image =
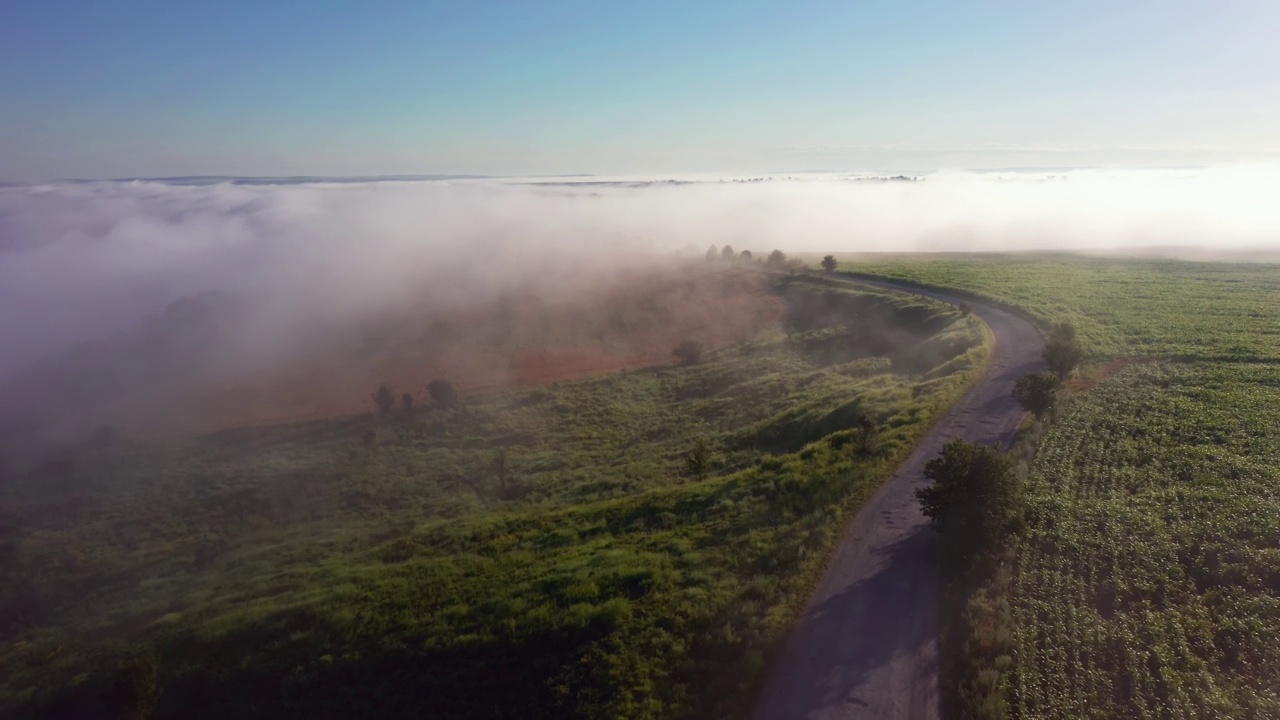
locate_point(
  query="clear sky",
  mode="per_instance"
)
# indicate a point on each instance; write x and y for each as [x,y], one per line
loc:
[255,87]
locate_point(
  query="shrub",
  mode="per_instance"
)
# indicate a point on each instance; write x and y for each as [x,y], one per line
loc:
[384,399]
[406,401]
[829,263]
[1062,350]
[698,462]
[777,260]
[1062,355]
[727,253]
[689,352]
[866,437]
[712,253]
[442,392]
[1036,392]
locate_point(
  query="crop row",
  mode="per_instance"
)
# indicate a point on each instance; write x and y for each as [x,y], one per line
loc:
[1148,583]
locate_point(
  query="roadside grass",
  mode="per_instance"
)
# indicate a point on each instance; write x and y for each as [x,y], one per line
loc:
[296,569]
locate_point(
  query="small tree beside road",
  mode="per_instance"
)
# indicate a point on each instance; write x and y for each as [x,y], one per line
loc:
[1036,392]
[1062,351]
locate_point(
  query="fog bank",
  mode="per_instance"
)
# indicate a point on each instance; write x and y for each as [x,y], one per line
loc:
[80,261]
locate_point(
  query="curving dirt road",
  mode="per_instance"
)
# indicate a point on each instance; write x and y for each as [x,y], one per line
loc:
[867,645]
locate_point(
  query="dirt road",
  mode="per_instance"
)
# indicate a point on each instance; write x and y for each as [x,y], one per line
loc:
[867,646]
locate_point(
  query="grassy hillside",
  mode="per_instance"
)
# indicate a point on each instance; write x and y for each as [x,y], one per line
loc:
[1146,582]
[545,553]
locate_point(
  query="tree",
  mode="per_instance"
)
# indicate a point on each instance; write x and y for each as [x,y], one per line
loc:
[712,253]
[973,500]
[745,256]
[1036,392]
[384,400]
[777,260]
[829,263]
[698,462]
[1061,355]
[727,254]
[406,402]
[369,438]
[689,352]
[442,392]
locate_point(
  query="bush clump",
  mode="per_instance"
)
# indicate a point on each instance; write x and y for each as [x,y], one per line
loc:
[1036,392]
[689,352]
[384,400]
[442,392]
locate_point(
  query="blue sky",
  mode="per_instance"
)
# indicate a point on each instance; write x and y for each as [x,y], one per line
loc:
[126,88]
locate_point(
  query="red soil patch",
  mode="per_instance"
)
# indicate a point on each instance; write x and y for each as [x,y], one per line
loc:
[1086,382]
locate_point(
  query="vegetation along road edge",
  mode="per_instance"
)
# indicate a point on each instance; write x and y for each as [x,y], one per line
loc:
[867,644]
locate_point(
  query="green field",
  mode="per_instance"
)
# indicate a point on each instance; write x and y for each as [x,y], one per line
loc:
[1146,584]
[1149,581]
[546,553]
[1121,307]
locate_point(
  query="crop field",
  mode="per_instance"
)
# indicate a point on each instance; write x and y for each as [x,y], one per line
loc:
[1120,307]
[551,552]
[1149,581]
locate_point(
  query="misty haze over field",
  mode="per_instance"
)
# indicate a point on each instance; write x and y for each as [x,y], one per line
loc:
[82,260]
[621,361]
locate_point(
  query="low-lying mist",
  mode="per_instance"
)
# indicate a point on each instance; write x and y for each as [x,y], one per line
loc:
[85,260]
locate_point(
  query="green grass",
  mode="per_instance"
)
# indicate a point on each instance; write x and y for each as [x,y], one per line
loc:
[292,570]
[1121,307]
